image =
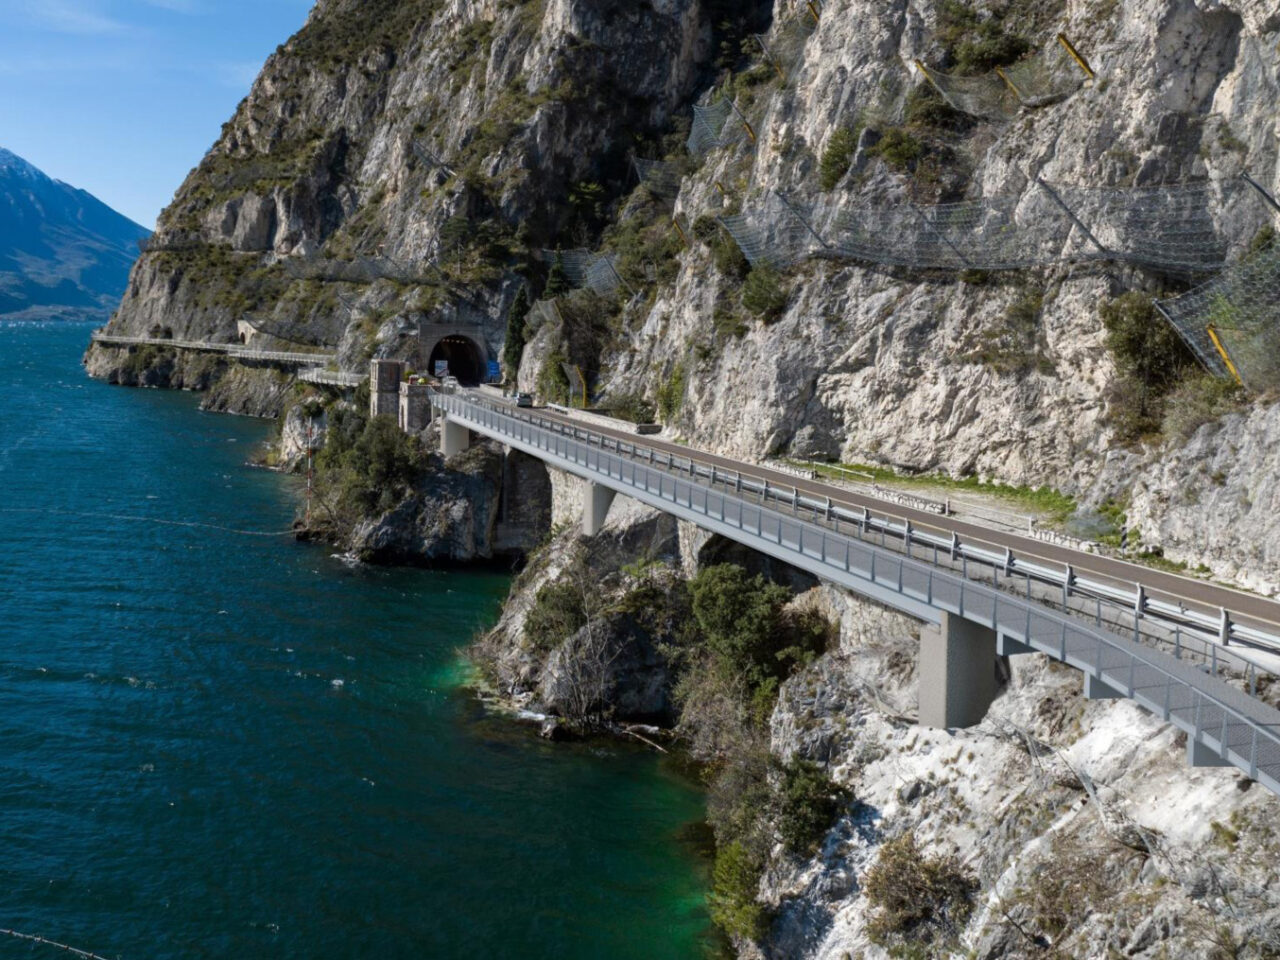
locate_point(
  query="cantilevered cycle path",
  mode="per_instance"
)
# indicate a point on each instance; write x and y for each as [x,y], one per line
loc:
[982,599]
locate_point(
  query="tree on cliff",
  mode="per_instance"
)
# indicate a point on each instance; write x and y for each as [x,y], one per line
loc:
[516,332]
[557,280]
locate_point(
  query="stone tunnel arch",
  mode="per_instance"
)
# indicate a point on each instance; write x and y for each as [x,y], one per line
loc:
[468,360]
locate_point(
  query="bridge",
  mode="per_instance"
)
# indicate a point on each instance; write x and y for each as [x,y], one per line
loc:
[1180,648]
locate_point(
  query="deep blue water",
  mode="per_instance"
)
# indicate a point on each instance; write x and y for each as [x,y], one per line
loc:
[214,744]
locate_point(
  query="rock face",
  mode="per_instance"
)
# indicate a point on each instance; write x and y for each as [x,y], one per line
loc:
[390,158]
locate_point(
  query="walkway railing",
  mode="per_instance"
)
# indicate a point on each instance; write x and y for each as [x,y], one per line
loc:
[1232,725]
[237,350]
[331,378]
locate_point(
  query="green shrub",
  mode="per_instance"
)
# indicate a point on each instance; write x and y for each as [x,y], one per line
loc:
[727,256]
[836,158]
[917,900]
[807,804]
[671,394]
[732,902]
[728,323]
[1197,401]
[975,45]
[898,148]
[763,293]
[367,465]
[1150,359]
[558,612]
[927,110]
[629,406]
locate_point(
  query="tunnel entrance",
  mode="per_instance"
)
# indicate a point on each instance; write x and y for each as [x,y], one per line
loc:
[465,359]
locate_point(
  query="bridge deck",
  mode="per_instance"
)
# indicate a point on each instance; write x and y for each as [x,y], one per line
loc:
[1225,721]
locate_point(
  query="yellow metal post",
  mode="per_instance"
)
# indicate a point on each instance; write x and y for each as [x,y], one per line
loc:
[1008,83]
[813,10]
[1080,61]
[723,192]
[1222,351]
[924,72]
[675,222]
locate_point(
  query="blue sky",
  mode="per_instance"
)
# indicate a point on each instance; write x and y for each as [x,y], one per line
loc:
[123,97]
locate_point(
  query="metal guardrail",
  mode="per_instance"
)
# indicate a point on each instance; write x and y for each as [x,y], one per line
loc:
[1183,627]
[1241,730]
[331,378]
[237,350]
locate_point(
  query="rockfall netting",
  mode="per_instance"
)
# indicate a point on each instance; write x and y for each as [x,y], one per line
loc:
[584,269]
[1232,323]
[1043,77]
[784,47]
[661,179]
[717,125]
[1182,227]
[361,270]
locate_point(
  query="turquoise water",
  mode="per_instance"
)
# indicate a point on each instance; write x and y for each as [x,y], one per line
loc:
[214,744]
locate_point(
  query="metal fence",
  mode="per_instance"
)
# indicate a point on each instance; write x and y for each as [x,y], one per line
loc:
[1232,323]
[586,270]
[720,124]
[661,179]
[1238,728]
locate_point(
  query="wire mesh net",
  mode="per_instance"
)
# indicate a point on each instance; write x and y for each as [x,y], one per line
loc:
[361,270]
[1240,310]
[661,179]
[784,47]
[1045,77]
[544,312]
[602,275]
[1188,227]
[985,96]
[775,232]
[716,125]
[430,158]
[574,263]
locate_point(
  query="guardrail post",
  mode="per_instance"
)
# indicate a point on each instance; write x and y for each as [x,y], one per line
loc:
[1224,628]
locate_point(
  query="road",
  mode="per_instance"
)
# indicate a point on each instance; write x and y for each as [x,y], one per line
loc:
[1246,608]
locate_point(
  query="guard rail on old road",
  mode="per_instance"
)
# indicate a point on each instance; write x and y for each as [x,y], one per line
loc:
[237,350]
[1223,724]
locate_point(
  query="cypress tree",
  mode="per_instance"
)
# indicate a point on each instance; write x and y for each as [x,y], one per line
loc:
[516,333]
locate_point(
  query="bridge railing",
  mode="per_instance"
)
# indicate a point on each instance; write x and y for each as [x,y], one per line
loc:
[1239,729]
[1200,635]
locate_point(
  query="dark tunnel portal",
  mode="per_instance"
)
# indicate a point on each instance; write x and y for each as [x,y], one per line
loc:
[466,360]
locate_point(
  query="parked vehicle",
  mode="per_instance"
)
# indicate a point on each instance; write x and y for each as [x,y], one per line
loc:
[524,399]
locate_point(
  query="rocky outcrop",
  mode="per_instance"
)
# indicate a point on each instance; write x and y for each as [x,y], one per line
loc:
[1216,501]
[454,515]
[1086,831]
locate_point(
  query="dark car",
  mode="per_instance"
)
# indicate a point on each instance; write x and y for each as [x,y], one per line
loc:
[524,399]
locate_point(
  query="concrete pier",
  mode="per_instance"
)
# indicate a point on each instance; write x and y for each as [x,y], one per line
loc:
[957,670]
[595,508]
[415,407]
[454,437]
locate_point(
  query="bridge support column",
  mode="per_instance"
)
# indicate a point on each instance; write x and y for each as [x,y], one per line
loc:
[595,508]
[454,437]
[957,673]
[1095,689]
[1198,755]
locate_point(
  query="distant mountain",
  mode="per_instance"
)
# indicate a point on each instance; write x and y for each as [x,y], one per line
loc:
[64,254]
